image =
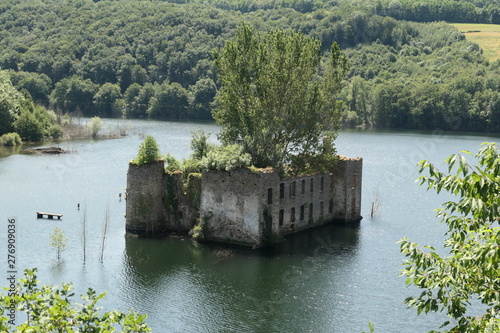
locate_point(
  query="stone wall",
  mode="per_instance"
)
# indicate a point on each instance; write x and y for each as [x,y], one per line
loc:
[157,201]
[242,207]
[300,203]
[144,205]
[347,186]
[252,208]
[307,201]
[231,206]
[353,176]
[180,206]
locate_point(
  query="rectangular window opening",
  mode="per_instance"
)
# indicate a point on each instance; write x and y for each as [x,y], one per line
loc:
[269,196]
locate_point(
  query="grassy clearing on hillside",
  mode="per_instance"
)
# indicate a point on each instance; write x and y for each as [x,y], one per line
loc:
[487,36]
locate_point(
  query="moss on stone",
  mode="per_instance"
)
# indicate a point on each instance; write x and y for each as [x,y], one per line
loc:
[193,189]
[141,208]
[171,200]
[267,227]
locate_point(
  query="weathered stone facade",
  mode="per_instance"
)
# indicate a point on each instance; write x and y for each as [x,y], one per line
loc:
[244,207]
[158,202]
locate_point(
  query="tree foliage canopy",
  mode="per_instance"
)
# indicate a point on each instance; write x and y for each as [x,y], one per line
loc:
[52,309]
[272,97]
[19,114]
[149,151]
[58,242]
[471,270]
[9,103]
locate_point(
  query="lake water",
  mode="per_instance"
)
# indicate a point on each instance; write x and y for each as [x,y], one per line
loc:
[331,279]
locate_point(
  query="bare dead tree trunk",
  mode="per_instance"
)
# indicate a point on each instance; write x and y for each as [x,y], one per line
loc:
[375,203]
[84,235]
[104,233]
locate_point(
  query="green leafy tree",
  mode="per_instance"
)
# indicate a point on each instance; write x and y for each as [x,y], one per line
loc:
[470,268]
[358,99]
[74,94]
[149,151]
[139,74]
[38,85]
[203,93]
[55,132]
[137,100]
[9,103]
[105,99]
[28,125]
[199,144]
[272,97]
[169,101]
[58,242]
[130,108]
[171,163]
[52,309]
[10,139]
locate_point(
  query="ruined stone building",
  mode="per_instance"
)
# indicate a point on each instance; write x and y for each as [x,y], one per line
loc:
[243,207]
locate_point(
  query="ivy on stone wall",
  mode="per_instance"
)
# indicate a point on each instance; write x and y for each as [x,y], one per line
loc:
[171,201]
[193,189]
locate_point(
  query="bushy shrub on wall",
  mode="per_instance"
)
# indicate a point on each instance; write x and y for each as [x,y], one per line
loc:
[230,157]
[148,153]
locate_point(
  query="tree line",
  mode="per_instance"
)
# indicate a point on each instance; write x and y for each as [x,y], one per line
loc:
[457,11]
[154,59]
[21,118]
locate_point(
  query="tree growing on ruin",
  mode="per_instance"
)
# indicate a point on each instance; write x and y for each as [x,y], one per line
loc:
[148,151]
[469,269]
[277,96]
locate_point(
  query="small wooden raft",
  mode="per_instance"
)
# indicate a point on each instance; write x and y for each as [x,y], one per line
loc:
[50,216]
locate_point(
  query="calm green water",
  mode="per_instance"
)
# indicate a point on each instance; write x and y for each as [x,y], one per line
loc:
[331,279]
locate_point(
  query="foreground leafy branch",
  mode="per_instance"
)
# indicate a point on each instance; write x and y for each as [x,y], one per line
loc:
[470,270]
[51,309]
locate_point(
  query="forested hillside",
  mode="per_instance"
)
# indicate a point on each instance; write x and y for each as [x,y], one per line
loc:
[155,59]
[467,11]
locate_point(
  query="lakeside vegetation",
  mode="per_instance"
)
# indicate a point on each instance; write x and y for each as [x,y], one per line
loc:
[154,59]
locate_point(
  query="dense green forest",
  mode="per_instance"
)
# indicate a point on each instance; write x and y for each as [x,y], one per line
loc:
[457,11]
[154,59]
